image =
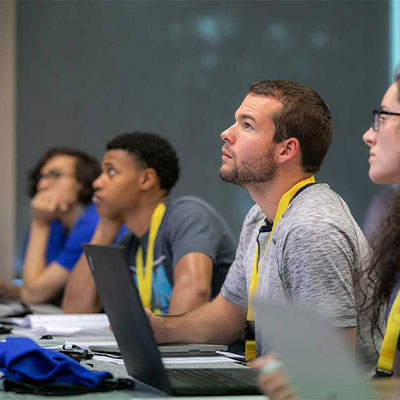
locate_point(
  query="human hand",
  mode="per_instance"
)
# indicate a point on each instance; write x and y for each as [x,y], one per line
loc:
[155,323]
[273,380]
[48,205]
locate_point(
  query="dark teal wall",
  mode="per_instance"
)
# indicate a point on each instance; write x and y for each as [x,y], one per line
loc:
[90,70]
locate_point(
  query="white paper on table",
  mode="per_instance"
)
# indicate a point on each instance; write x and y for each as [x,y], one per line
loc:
[67,324]
[110,360]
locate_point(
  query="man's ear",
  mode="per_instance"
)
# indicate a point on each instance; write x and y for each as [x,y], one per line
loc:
[288,149]
[148,179]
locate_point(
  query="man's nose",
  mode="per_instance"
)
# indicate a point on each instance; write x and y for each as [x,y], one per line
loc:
[97,183]
[227,135]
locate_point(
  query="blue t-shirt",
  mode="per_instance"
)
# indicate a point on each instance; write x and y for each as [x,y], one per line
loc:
[65,248]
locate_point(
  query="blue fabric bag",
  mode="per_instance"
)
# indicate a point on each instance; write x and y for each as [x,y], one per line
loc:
[21,359]
[28,368]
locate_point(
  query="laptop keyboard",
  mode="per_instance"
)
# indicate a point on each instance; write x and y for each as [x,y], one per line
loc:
[213,381]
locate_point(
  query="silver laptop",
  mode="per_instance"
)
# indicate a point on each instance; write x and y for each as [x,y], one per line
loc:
[317,358]
[121,301]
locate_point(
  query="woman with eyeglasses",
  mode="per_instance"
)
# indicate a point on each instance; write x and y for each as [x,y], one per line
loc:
[62,218]
[383,139]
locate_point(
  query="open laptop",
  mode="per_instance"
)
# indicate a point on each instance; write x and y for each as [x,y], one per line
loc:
[121,301]
[318,360]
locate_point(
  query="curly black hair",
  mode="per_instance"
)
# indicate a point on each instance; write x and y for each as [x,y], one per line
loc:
[87,169]
[152,151]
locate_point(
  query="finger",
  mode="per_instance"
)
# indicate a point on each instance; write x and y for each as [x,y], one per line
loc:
[261,361]
[280,391]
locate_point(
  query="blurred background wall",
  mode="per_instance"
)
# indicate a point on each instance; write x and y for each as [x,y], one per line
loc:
[87,71]
[7,138]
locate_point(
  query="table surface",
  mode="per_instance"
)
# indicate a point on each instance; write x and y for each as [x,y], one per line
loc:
[383,389]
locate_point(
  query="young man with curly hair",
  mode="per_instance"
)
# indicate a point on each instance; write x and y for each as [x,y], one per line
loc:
[180,250]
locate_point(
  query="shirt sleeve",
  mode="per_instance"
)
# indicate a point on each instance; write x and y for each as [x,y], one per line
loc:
[192,228]
[82,232]
[235,287]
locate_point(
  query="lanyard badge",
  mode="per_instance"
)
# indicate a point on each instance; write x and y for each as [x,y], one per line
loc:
[389,344]
[144,278]
[250,346]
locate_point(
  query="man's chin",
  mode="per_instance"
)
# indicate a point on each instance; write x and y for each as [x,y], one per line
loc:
[228,176]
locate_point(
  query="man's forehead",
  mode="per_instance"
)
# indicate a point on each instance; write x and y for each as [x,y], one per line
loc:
[257,105]
[118,156]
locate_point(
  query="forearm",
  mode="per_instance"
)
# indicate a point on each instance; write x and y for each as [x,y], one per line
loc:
[188,297]
[35,257]
[80,295]
[216,322]
[192,283]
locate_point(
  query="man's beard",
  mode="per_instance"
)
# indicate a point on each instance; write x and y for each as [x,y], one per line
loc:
[252,171]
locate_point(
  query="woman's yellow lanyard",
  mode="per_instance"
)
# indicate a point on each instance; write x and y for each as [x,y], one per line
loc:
[389,344]
[250,346]
[144,278]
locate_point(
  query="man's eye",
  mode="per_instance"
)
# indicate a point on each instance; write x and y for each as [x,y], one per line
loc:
[110,171]
[247,125]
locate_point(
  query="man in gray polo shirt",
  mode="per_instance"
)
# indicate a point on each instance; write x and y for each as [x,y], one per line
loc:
[299,243]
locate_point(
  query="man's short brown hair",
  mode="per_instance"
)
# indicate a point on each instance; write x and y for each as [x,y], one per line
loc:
[304,116]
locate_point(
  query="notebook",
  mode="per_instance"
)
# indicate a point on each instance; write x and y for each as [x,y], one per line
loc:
[121,301]
[317,358]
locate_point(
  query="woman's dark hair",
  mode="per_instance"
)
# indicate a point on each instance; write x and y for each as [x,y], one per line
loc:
[152,151]
[384,270]
[87,169]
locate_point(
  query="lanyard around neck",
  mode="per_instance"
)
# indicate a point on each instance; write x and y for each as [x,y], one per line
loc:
[283,205]
[389,344]
[144,278]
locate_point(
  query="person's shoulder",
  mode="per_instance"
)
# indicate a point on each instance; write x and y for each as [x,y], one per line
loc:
[90,212]
[318,199]
[319,206]
[188,200]
[88,217]
[191,204]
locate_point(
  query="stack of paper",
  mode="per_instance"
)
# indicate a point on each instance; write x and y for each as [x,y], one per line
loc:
[65,324]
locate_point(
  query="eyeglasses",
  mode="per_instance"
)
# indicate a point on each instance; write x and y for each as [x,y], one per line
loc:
[375,118]
[53,175]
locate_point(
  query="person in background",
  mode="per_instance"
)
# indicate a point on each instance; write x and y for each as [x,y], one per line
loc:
[63,217]
[383,139]
[180,249]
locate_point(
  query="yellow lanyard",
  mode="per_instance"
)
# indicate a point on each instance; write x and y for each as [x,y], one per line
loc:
[255,272]
[389,344]
[144,278]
